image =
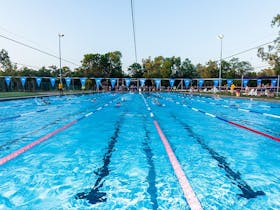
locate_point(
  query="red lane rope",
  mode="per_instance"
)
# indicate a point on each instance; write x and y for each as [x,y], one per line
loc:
[34,143]
[185,185]
[255,131]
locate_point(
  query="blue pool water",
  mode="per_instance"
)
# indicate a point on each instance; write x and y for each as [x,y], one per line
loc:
[114,158]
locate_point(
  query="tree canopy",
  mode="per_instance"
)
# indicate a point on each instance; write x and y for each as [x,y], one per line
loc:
[101,65]
[272,54]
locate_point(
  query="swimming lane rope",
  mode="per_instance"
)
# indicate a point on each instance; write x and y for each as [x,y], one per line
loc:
[240,109]
[227,121]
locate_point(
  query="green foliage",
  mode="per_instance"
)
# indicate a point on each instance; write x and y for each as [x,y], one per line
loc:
[161,67]
[230,69]
[235,68]
[6,66]
[187,70]
[136,70]
[267,73]
[272,54]
[209,71]
[101,65]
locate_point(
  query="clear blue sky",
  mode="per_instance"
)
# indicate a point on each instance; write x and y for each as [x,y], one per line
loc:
[182,28]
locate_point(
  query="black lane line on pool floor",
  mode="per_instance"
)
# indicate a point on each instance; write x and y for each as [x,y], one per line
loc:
[247,191]
[151,178]
[6,145]
[94,195]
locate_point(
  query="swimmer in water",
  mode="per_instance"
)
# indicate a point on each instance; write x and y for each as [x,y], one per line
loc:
[44,101]
[118,104]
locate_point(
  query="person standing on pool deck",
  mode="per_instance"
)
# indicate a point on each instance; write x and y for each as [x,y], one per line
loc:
[232,87]
[60,88]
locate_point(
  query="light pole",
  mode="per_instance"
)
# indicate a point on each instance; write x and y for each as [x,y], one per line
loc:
[221,36]
[60,75]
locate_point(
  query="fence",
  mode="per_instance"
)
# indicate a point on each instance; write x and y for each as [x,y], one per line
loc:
[37,84]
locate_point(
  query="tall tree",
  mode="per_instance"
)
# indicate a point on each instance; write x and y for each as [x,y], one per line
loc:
[208,71]
[102,65]
[54,71]
[6,64]
[66,71]
[26,72]
[267,73]
[114,64]
[187,69]
[43,72]
[272,54]
[161,67]
[136,70]
[236,68]
[91,65]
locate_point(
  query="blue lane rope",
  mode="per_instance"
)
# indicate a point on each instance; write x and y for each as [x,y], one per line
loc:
[241,109]
[21,115]
[230,122]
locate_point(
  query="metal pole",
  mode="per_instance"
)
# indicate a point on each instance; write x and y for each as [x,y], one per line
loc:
[241,89]
[60,74]
[221,36]
[133,26]
[277,92]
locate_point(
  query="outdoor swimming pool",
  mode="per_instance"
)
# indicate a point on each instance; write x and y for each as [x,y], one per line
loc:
[84,152]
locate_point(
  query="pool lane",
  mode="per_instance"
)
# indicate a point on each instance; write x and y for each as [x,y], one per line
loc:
[236,102]
[225,181]
[94,195]
[151,177]
[238,108]
[189,194]
[6,145]
[13,155]
[275,138]
[45,108]
[235,177]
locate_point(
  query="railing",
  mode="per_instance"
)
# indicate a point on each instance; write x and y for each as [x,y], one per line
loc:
[261,86]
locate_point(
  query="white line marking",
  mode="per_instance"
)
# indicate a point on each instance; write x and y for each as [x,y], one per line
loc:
[28,113]
[244,110]
[211,115]
[271,115]
[88,114]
